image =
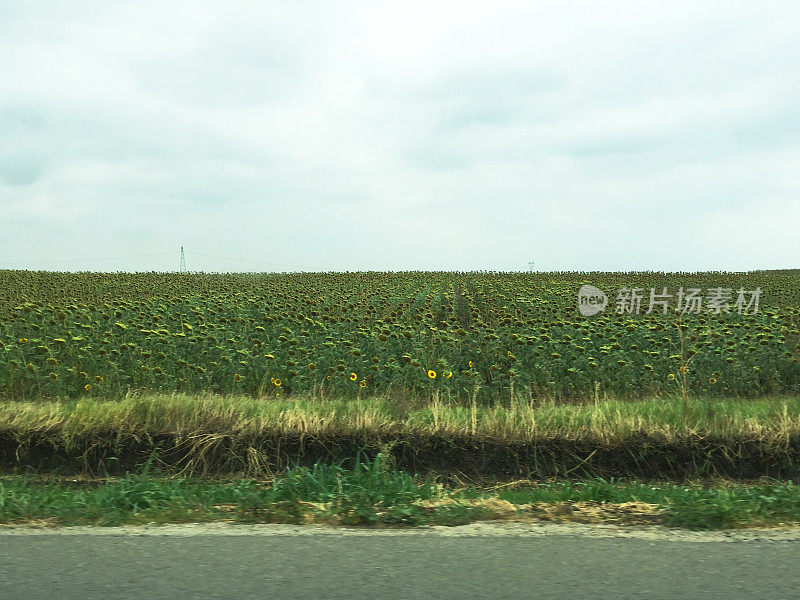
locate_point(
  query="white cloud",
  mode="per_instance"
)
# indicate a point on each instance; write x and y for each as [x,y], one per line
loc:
[418,135]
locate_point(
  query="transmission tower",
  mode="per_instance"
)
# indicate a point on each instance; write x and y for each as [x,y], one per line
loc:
[182,268]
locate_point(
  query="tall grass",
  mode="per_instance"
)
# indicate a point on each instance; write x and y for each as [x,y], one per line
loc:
[769,421]
[372,493]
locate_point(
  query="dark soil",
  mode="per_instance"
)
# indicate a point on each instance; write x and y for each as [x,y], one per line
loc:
[639,456]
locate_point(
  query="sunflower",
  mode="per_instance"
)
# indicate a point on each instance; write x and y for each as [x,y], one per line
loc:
[98,379]
[684,369]
[353,376]
[312,366]
[431,373]
[87,387]
[277,383]
[448,374]
[712,380]
[362,384]
[470,364]
[237,377]
[671,377]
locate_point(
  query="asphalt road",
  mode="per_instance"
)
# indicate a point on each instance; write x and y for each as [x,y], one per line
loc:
[388,566]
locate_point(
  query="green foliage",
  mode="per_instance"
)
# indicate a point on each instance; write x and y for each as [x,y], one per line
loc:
[460,335]
[684,505]
[370,494]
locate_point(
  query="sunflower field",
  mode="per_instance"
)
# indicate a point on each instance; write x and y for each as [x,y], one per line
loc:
[474,335]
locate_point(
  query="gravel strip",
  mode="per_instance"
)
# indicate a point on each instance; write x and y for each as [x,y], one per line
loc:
[480,529]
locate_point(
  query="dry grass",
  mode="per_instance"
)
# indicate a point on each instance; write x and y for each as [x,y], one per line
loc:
[208,434]
[770,421]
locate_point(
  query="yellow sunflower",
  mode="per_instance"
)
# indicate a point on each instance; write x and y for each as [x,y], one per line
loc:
[431,373]
[353,376]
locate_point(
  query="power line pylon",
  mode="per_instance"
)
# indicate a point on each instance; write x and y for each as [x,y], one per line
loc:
[182,268]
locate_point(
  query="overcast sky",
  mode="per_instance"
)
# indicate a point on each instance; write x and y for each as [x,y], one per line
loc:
[400,135]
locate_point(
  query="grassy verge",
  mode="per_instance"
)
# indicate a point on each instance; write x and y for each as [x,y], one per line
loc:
[690,505]
[769,420]
[372,493]
[211,434]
